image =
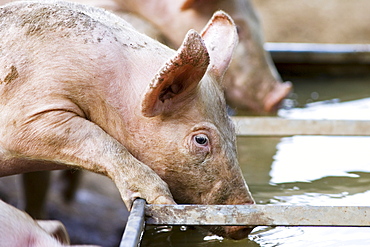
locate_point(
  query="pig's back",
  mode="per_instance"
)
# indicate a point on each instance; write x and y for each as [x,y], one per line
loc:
[54,16]
[56,23]
[77,43]
[52,44]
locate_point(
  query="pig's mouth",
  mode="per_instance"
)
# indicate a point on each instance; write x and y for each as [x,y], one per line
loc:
[241,198]
[231,232]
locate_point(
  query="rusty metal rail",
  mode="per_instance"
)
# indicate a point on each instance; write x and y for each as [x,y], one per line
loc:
[258,215]
[276,126]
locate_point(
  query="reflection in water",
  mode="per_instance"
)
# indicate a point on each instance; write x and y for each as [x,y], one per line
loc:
[190,237]
[315,237]
[312,170]
[307,158]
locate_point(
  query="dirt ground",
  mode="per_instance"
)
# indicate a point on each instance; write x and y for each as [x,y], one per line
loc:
[315,21]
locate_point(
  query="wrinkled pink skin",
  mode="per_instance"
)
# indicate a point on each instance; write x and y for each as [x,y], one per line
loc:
[115,102]
[19,230]
[252,82]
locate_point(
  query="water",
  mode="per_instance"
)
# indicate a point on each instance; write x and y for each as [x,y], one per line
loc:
[277,176]
[304,170]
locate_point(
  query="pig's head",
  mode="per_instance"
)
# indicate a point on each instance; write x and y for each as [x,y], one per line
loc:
[192,141]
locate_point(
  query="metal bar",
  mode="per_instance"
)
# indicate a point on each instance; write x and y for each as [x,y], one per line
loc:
[275,126]
[135,225]
[258,215]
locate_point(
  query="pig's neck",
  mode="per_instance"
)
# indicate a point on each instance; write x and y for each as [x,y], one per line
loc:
[122,73]
[123,97]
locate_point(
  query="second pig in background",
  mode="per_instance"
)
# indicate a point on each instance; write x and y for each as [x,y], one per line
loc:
[252,82]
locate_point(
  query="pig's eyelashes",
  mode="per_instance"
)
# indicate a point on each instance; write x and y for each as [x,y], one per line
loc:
[238,29]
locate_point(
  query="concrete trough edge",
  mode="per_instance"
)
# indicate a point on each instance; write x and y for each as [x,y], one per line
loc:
[319,53]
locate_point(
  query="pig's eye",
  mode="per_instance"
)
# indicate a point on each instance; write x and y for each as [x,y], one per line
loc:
[201,139]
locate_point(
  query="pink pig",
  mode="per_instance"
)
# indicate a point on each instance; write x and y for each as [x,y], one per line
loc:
[252,81]
[81,88]
[19,230]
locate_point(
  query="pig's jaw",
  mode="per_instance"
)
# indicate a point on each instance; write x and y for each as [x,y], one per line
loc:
[230,232]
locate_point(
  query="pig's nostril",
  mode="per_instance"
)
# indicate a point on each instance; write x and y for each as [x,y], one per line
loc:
[238,232]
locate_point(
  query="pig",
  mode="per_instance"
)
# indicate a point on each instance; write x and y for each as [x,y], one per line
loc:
[19,229]
[81,88]
[35,196]
[252,82]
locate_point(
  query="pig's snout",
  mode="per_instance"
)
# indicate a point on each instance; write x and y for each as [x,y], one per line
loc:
[237,232]
[232,232]
[274,98]
[230,195]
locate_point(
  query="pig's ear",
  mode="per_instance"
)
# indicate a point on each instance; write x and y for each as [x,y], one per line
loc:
[177,79]
[221,37]
[194,4]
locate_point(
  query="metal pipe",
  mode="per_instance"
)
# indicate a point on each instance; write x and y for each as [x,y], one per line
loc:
[135,225]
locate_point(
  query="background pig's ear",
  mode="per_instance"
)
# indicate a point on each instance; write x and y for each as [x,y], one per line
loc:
[220,36]
[187,4]
[176,80]
[194,4]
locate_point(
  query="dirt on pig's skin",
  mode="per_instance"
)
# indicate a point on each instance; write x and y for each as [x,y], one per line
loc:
[96,216]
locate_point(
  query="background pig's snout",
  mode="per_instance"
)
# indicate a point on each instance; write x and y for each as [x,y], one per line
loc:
[274,98]
[238,232]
